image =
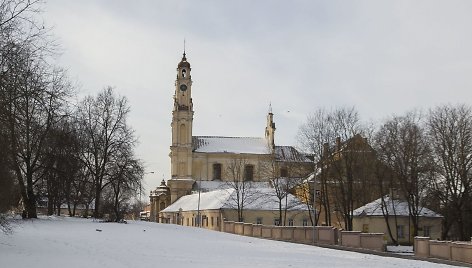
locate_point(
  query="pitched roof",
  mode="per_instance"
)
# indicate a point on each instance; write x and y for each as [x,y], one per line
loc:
[216,144]
[290,154]
[264,199]
[394,207]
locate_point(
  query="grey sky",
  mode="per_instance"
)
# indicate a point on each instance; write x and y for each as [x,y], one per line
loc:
[384,57]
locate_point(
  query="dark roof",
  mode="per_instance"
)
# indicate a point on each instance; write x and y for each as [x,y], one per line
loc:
[290,154]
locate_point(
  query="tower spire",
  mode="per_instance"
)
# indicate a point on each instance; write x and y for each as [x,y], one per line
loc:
[184,47]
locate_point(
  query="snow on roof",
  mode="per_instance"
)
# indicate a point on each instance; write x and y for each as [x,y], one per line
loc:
[213,144]
[206,186]
[263,199]
[394,206]
[290,154]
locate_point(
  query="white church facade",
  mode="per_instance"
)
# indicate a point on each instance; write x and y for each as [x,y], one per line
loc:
[212,163]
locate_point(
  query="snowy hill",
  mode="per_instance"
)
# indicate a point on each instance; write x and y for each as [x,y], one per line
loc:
[71,242]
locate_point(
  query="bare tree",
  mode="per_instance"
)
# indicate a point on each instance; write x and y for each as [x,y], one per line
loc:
[125,179]
[405,150]
[237,179]
[32,93]
[342,169]
[314,136]
[62,165]
[13,12]
[33,98]
[450,131]
[106,132]
[8,188]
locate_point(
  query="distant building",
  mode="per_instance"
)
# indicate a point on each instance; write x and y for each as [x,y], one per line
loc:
[205,163]
[346,170]
[370,218]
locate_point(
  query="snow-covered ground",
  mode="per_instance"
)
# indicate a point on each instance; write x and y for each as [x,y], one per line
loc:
[72,242]
[403,250]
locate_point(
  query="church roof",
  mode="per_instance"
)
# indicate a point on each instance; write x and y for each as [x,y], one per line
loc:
[290,154]
[239,145]
[264,199]
[206,186]
[393,206]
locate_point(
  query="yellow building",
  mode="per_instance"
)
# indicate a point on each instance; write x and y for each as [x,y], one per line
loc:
[207,163]
[371,218]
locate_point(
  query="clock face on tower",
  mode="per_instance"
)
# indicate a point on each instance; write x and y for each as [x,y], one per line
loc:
[183,87]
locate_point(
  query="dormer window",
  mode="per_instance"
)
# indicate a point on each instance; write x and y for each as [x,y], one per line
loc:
[184,73]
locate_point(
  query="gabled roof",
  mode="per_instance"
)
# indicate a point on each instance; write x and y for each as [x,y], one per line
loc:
[264,199]
[394,207]
[240,145]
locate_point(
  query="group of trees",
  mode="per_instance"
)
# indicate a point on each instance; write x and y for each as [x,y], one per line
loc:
[425,157]
[52,149]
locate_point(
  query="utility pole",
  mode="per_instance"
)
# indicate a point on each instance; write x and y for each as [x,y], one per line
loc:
[199,219]
[314,208]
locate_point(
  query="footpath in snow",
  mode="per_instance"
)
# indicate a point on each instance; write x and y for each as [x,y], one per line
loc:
[74,242]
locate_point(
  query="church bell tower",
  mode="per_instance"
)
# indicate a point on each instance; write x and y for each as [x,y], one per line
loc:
[182,119]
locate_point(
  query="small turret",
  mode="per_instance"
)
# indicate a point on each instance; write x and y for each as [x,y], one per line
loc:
[270,129]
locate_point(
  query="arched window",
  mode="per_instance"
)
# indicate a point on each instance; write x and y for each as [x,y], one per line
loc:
[162,206]
[184,73]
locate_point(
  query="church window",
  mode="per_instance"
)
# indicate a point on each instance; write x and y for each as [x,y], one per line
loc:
[305,222]
[184,73]
[290,222]
[217,171]
[249,172]
[283,172]
[162,206]
[188,221]
[211,221]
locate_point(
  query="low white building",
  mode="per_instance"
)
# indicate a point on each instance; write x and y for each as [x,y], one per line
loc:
[261,206]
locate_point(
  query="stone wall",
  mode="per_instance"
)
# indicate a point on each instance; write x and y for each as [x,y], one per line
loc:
[447,250]
[325,235]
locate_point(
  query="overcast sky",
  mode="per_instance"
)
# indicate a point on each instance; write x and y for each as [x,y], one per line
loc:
[383,57]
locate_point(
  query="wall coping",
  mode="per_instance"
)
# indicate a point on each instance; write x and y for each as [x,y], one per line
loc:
[372,234]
